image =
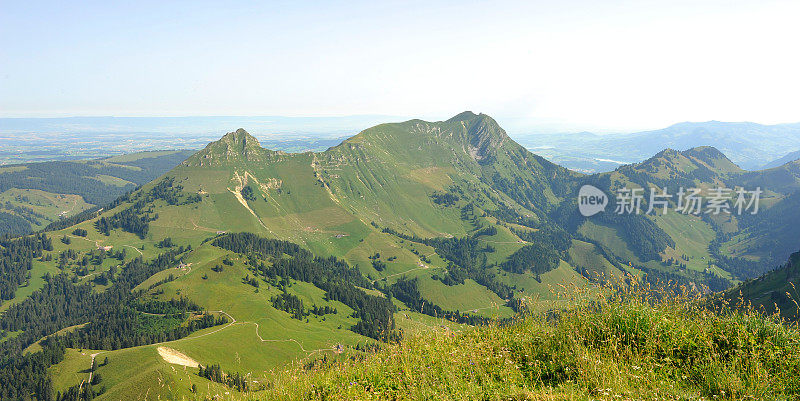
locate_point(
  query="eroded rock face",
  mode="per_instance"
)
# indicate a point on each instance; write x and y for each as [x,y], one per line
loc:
[482,134]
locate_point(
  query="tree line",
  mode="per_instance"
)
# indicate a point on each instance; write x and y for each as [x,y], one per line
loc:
[466,260]
[340,281]
[136,218]
[407,292]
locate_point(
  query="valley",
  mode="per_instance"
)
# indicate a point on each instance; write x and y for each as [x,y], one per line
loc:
[751,146]
[35,195]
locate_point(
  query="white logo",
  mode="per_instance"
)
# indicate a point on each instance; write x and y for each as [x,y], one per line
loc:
[591,200]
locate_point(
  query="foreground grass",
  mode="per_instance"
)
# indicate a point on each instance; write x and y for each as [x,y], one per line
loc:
[610,350]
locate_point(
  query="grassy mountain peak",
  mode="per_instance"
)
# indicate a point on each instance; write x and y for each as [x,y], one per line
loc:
[703,163]
[477,135]
[234,146]
[713,158]
[484,135]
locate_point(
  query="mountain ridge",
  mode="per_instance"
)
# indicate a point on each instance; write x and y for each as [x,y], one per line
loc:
[375,171]
[409,222]
[789,158]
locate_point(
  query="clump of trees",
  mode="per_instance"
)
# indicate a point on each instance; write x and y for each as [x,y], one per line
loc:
[248,193]
[294,306]
[407,291]
[16,261]
[536,258]
[215,374]
[444,198]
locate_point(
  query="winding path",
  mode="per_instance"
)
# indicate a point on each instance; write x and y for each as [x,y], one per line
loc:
[97,243]
[290,340]
[135,248]
[423,267]
[232,322]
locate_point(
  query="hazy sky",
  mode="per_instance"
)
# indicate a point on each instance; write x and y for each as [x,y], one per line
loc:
[535,65]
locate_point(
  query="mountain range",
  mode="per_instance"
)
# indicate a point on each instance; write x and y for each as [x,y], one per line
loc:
[245,258]
[747,144]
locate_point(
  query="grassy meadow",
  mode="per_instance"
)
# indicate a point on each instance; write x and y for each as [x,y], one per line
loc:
[618,348]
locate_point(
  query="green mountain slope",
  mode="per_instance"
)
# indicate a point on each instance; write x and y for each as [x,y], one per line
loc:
[775,292]
[402,226]
[34,195]
[390,171]
[392,177]
[426,211]
[702,247]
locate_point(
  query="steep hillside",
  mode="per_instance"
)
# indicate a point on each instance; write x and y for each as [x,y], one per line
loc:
[410,191]
[668,247]
[775,292]
[468,154]
[414,178]
[784,179]
[759,242]
[704,165]
[767,238]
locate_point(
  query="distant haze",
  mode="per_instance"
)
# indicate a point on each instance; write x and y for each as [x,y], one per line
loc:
[214,126]
[536,66]
[750,145]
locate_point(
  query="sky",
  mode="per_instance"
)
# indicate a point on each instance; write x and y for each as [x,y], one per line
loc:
[536,66]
